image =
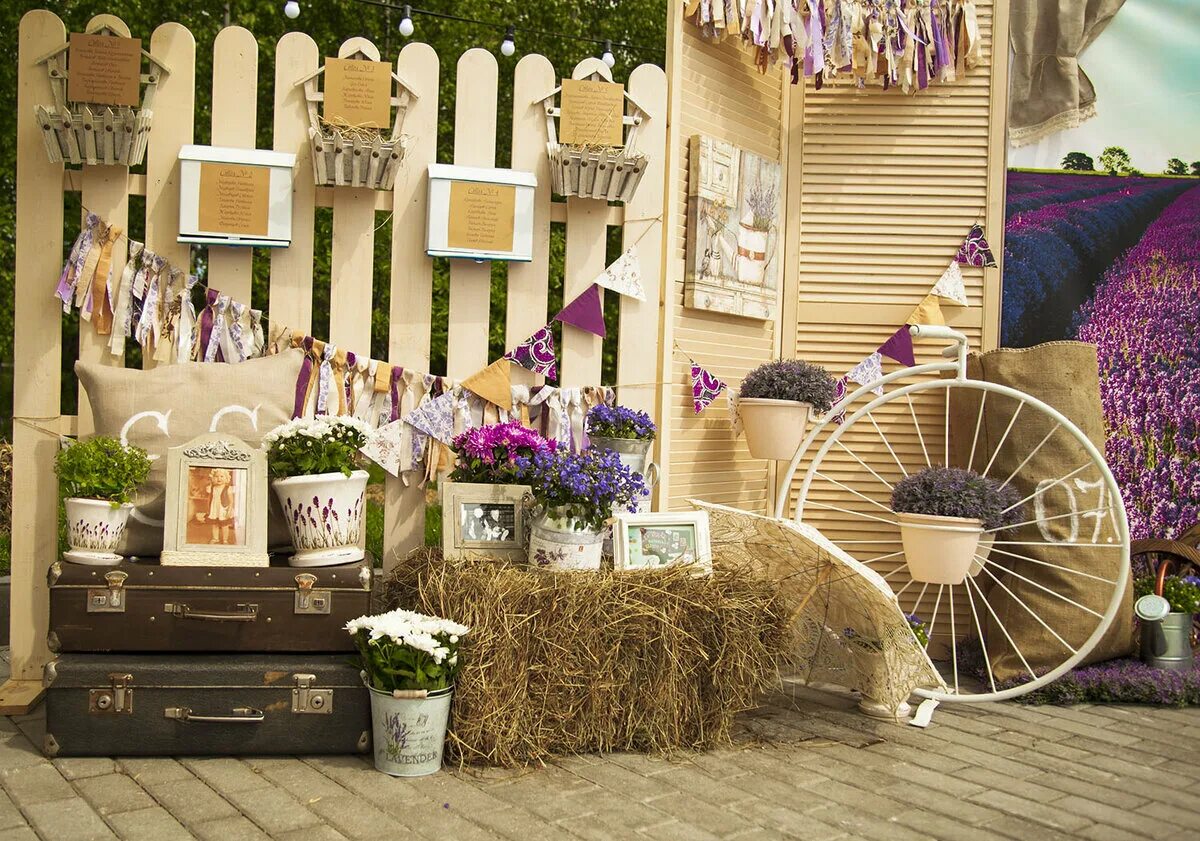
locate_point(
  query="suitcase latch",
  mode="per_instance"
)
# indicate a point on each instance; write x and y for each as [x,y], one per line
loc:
[308,600]
[308,699]
[110,599]
[117,699]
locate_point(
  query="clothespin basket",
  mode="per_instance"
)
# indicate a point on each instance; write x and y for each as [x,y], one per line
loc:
[356,156]
[595,171]
[91,133]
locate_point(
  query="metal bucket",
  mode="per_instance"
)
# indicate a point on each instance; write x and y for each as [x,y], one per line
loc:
[633,452]
[1167,643]
[409,732]
[552,545]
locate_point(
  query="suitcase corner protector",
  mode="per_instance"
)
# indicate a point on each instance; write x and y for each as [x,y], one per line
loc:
[50,746]
[49,673]
[53,642]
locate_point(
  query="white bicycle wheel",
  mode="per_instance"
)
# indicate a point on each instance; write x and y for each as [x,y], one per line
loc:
[849,494]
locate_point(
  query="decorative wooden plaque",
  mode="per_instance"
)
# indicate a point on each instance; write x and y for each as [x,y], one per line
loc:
[104,69]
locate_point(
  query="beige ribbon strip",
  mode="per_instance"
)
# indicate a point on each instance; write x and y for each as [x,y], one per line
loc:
[102,314]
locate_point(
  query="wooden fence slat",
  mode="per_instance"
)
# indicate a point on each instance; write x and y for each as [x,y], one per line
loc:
[290,301]
[474,145]
[234,117]
[586,234]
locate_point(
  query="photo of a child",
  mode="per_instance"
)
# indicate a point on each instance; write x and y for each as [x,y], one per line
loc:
[216,506]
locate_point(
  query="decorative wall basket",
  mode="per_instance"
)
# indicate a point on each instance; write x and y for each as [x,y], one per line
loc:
[89,133]
[356,156]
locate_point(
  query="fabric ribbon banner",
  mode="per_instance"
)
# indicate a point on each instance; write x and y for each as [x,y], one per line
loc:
[624,275]
[705,388]
[975,250]
[950,285]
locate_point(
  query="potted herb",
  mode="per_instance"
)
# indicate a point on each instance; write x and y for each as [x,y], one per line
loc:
[943,512]
[409,663]
[869,657]
[775,401]
[1166,605]
[627,432]
[577,494]
[97,479]
[318,477]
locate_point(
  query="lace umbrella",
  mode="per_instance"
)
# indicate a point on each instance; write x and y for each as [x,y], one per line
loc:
[850,628]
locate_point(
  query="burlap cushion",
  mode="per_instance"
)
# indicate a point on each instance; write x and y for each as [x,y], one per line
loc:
[1064,375]
[166,406]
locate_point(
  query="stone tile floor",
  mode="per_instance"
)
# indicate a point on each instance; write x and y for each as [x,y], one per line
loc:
[806,766]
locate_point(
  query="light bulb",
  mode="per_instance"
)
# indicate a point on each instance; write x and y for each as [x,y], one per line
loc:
[509,45]
[291,9]
[607,57]
[406,24]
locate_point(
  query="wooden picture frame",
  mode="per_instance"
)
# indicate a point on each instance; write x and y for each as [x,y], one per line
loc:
[216,504]
[485,520]
[680,537]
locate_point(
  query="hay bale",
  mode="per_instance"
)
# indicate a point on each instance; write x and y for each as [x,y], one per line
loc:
[568,662]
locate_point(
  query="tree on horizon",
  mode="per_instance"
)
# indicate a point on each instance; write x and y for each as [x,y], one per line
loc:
[1116,161]
[1078,162]
[1175,166]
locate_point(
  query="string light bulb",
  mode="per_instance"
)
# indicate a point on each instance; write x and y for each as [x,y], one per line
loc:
[406,24]
[291,9]
[607,56]
[509,45]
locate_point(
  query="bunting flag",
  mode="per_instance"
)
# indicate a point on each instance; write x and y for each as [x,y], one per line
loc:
[928,311]
[493,383]
[899,347]
[586,312]
[537,354]
[705,388]
[868,371]
[435,418]
[384,446]
[975,250]
[839,394]
[624,276]
[950,285]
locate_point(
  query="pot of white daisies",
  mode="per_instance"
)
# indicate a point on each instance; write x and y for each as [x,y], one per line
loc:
[409,663]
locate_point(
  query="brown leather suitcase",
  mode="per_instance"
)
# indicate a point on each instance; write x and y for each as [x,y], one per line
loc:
[196,704]
[141,606]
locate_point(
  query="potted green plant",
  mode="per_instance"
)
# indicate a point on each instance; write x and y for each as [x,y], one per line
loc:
[943,512]
[627,432]
[1166,637]
[869,656]
[775,401]
[409,663]
[97,478]
[318,477]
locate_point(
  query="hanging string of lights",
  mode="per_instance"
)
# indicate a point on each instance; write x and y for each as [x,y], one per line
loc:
[508,45]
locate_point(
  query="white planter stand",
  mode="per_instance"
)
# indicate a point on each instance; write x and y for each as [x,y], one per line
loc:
[325,514]
[94,530]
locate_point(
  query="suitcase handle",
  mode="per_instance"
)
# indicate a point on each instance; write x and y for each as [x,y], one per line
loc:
[241,715]
[241,613]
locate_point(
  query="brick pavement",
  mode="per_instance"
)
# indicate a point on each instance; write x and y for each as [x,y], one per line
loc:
[805,766]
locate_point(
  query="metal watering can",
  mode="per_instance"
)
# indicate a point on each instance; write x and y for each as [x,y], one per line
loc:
[1166,636]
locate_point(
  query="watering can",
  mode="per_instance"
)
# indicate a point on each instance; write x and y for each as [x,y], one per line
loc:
[1166,636]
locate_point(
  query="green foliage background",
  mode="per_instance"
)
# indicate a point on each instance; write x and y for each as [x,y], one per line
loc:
[329,22]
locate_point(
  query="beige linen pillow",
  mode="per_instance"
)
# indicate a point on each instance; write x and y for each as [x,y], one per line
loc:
[167,406]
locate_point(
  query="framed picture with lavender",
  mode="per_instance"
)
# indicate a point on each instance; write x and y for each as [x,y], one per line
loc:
[732,231]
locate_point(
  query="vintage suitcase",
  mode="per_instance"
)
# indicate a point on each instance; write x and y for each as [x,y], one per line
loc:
[140,606]
[194,704]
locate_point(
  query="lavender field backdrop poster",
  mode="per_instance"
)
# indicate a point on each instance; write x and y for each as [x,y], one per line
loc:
[1102,244]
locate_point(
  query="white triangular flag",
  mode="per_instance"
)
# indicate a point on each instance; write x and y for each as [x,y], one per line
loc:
[868,371]
[950,285]
[624,275]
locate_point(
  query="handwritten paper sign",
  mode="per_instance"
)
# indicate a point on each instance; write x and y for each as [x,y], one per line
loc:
[358,92]
[481,216]
[105,69]
[234,199]
[591,113]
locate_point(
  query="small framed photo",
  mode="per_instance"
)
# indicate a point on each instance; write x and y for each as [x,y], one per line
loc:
[479,519]
[216,504]
[652,541]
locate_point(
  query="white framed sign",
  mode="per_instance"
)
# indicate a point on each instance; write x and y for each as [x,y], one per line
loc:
[235,196]
[480,213]
[653,541]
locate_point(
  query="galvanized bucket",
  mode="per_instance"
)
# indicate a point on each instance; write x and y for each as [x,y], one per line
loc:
[554,544]
[633,452]
[1167,643]
[409,731]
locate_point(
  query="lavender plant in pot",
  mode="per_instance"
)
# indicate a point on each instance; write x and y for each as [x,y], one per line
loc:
[943,512]
[775,402]
[97,479]
[627,432]
[1166,629]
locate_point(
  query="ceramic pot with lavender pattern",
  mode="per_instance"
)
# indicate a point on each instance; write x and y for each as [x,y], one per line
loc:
[326,515]
[94,530]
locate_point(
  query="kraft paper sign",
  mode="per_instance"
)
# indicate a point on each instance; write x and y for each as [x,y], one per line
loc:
[592,113]
[235,199]
[105,69]
[358,92]
[481,216]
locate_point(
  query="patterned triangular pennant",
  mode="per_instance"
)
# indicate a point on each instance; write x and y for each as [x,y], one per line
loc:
[899,347]
[435,418]
[975,250]
[950,285]
[624,275]
[705,388]
[383,447]
[586,312]
[537,354]
[868,371]
[493,383]
[929,311]
[839,394]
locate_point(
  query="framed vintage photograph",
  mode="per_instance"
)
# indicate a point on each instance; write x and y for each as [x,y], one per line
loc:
[484,520]
[216,504]
[652,541]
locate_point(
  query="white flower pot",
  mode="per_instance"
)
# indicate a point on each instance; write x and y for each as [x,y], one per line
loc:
[410,731]
[983,552]
[325,514]
[939,550]
[556,543]
[774,428]
[94,530]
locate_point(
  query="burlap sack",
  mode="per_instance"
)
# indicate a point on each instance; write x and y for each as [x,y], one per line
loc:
[169,405]
[1064,375]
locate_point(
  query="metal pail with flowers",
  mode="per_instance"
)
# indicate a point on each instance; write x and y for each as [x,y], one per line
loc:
[562,543]
[409,727]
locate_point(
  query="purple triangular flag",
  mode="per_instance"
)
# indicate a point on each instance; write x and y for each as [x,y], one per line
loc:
[839,394]
[537,353]
[975,250]
[585,312]
[705,388]
[900,347]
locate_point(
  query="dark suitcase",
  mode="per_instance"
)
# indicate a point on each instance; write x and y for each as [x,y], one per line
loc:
[205,704]
[141,606]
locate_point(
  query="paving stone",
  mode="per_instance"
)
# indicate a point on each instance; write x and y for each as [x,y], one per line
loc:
[1114,815]
[35,784]
[153,824]
[965,811]
[355,819]
[1052,815]
[1036,791]
[113,793]
[677,831]
[63,819]
[298,779]
[313,833]
[1106,832]
[19,833]
[79,767]
[1021,829]
[272,809]
[856,799]
[696,783]
[1121,797]
[224,774]
[191,801]
[10,815]
[148,771]
[935,825]
[786,821]
[715,819]
[1181,811]
[236,828]
[514,824]
[18,752]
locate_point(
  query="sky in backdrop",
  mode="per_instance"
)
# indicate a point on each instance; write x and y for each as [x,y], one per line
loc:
[1146,69]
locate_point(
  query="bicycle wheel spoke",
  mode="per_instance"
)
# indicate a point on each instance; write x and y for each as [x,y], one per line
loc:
[1032,453]
[917,606]
[884,439]
[905,587]
[1003,438]
[1048,519]
[987,660]
[1056,595]
[893,572]
[1054,566]
[1054,484]
[953,641]
[851,513]
[978,423]
[854,456]
[936,604]
[874,502]
[883,557]
[1029,610]
[917,424]
[1003,630]
[1052,543]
